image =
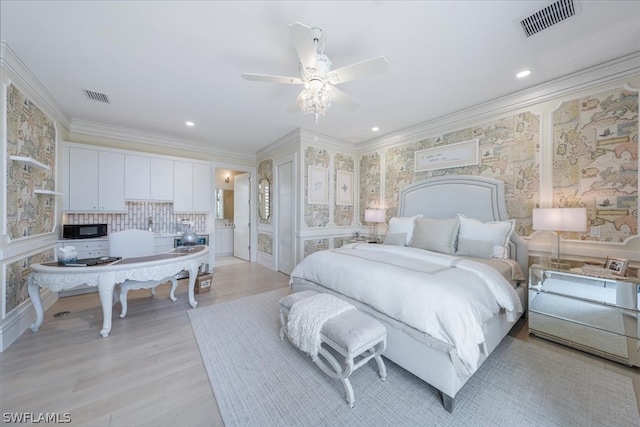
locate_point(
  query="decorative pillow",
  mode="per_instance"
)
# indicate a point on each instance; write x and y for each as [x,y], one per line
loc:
[402,225]
[399,239]
[438,235]
[497,232]
[475,248]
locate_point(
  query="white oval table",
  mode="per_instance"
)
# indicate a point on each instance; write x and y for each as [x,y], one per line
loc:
[106,276]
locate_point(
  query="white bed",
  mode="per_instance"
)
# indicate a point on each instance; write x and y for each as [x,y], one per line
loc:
[437,361]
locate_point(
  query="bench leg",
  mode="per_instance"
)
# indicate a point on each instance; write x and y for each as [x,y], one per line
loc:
[337,372]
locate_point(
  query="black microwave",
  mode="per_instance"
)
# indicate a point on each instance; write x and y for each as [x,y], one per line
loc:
[83,231]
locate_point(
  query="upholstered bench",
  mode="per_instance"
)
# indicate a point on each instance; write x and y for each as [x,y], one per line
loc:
[352,334]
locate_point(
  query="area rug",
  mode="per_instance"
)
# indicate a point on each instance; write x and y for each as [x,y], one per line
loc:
[259,380]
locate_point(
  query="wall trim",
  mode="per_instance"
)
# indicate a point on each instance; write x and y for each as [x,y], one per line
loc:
[16,323]
[98,130]
[603,73]
[28,83]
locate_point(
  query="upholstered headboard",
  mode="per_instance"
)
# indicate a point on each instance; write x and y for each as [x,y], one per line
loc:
[473,196]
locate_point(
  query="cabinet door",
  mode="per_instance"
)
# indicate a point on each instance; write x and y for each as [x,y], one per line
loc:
[161,179]
[218,242]
[201,187]
[227,241]
[182,186]
[83,179]
[137,177]
[111,182]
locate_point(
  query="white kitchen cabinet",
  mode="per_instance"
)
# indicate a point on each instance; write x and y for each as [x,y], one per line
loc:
[148,178]
[224,241]
[96,181]
[192,187]
[182,186]
[201,187]
[137,177]
[161,179]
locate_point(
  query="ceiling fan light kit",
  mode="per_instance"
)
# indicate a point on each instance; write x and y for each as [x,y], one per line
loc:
[315,73]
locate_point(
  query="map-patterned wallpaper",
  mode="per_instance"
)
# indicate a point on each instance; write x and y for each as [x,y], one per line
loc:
[30,133]
[595,160]
[509,151]
[17,272]
[315,215]
[343,214]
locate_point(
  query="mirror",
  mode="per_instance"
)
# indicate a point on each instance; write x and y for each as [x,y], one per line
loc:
[264,199]
[224,204]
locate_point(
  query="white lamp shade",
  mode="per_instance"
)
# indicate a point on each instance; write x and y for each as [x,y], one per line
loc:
[374,215]
[560,219]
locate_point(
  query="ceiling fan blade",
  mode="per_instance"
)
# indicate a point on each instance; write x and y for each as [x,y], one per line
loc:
[302,37]
[295,107]
[359,69]
[345,101]
[272,79]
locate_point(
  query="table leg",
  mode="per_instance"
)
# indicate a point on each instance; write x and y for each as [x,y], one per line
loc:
[105,289]
[193,272]
[34,294]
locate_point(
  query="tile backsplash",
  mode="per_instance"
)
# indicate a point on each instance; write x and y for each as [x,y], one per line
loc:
[137,216]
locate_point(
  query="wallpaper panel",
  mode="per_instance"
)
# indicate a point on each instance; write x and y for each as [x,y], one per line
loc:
[30,133]
[16,279]
[315,245]
[595,161]
[315,215]
[265,243]
[509,151]
[343,215]
[370,167]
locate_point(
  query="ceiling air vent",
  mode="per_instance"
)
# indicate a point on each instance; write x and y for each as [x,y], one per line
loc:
[96,96]
[550,15]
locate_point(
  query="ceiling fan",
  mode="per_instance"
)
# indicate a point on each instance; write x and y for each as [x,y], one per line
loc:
[316,74]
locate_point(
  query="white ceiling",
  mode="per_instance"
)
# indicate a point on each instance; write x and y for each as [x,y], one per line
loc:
[162,63]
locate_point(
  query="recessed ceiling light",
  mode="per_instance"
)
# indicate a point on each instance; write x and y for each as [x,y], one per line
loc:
[189,124]
[523,73]
[375,129]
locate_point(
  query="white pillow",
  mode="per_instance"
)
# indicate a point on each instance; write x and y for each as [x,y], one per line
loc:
[398,239]
[475,248]
[438,235]
[402,225]
[497,232]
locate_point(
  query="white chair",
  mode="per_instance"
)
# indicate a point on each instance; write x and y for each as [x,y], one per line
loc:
[135,243]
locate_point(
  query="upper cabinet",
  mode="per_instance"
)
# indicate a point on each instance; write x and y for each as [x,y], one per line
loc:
[96,181]
[192,187]
[148,178]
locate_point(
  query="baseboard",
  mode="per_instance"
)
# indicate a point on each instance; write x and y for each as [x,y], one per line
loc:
[266,261]
[21,318]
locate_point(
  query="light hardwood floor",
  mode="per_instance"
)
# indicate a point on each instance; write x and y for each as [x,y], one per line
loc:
[148,372]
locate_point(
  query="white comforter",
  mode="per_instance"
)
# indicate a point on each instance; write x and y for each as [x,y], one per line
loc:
[444,296]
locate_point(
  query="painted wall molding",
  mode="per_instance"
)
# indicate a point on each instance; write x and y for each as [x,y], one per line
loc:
[26,81]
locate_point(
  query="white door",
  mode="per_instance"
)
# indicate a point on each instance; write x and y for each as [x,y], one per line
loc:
[241,216]
[285,219]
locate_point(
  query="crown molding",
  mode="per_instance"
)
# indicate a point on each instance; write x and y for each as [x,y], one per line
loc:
[291,137]
[310,137]
[27,82]
[99,130]
[620,68]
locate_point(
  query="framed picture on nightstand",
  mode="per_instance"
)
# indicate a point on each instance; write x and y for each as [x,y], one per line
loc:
[616,266]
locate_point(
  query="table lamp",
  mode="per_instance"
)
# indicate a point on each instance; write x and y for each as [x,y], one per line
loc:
[559,220]
[374,216]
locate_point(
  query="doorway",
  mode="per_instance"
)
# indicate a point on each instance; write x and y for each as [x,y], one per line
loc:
[232,214]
